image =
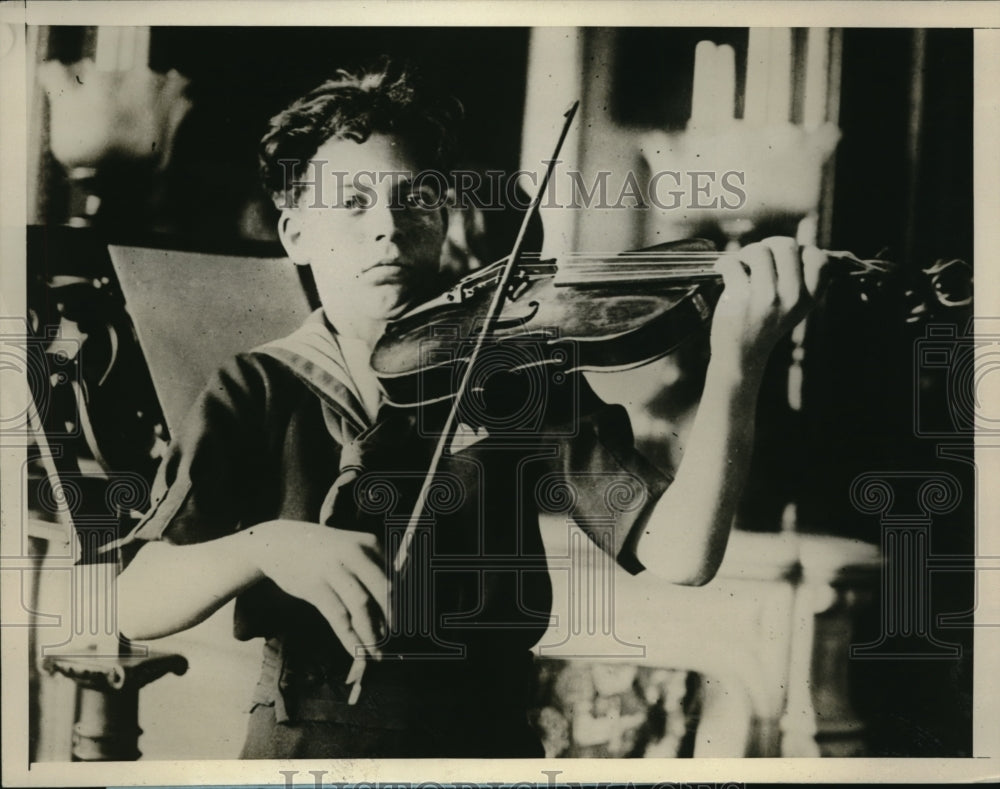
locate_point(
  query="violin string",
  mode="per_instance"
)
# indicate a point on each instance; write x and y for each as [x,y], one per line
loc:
[627,270]
[638,265]
[692,259]
[682,281]
[639,269]
[692,256]
[640,255]
[614,258]
[609,278]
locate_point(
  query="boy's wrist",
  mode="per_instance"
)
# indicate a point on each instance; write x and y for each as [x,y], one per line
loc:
[247,549]
[728,375]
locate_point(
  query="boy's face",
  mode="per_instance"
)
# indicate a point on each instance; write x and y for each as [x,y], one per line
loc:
[369,235]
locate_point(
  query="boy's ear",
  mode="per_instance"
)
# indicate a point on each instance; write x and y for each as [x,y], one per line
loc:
[449,204]
[290,234]
[446,218]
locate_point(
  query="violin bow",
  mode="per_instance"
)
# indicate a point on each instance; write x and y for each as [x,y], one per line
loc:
[356,673]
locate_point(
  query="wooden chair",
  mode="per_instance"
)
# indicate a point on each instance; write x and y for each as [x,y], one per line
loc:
[84,485]
[175,301]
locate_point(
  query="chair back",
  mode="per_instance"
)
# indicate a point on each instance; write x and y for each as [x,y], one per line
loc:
[193,311]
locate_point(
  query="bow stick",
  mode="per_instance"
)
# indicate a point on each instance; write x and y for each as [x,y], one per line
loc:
[357,670]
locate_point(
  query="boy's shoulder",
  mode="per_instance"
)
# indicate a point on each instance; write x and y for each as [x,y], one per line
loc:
[312,357]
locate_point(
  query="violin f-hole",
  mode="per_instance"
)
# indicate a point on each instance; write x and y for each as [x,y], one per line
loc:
[507,322]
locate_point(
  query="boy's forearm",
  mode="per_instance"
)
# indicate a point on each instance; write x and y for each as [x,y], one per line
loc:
[168,588]
[686,535]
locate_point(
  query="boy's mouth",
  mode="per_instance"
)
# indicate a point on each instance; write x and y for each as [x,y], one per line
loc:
[395,263]
[387,272]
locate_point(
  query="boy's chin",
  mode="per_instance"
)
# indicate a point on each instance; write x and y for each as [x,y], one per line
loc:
[380,303]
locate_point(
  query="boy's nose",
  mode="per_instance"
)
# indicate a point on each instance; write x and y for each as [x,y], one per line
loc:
[382,220]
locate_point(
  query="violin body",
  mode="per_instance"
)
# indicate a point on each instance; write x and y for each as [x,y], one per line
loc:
[604,314]
[549,323]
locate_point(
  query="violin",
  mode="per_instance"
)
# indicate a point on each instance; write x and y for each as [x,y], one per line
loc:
[596,313]
[591,312]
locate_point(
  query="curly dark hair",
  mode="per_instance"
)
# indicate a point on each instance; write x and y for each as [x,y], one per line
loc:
[388,98]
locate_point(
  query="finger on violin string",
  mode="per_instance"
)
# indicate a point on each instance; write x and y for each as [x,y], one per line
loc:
[788,266]
[816,269]
[763,276]
[735,280]
[732,269]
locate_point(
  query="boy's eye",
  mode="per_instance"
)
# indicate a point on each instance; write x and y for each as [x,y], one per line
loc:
[357,202]
[420,198]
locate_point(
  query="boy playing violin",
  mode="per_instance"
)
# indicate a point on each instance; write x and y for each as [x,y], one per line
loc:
[261,496]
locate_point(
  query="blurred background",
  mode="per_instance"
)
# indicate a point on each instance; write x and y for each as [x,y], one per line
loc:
[146,138]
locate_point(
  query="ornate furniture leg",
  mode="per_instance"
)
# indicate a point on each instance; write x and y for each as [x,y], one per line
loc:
[107,699]
[108,671]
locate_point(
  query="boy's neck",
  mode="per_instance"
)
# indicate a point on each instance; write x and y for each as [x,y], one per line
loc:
[357,330]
